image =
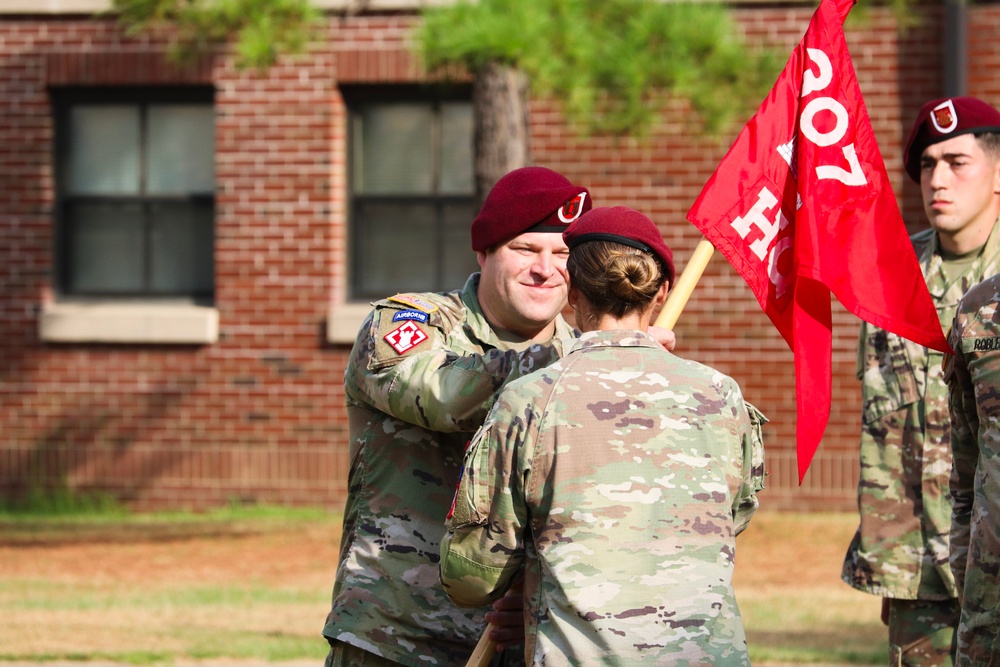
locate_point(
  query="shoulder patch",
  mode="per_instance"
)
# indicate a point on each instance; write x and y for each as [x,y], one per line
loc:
[405,337]
[410,315]
[414,302]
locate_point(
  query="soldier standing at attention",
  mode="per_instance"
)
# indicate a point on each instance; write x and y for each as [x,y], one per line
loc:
[973,376]
[900,551]
[614,481]
[421,378]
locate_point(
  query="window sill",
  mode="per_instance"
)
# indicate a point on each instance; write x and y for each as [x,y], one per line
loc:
[129,323]
[344,320]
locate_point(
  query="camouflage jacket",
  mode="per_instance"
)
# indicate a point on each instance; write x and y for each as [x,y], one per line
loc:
[901,547]
[616,480]
[973,376]
[421,378]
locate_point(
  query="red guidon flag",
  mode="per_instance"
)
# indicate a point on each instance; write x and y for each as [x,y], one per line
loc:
[801,206]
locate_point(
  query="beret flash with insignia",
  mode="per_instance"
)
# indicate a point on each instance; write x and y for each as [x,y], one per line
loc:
[942,119]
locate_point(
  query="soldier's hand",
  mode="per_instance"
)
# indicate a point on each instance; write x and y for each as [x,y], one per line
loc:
[507,618]
[664,337]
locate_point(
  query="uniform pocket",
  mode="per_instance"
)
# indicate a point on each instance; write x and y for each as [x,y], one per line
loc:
[471,504]
[757,474]
[889,379]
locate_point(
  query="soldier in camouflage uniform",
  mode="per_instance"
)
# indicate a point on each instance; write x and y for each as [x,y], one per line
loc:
[421,378]
[973,376]
[900,551]
[614,481]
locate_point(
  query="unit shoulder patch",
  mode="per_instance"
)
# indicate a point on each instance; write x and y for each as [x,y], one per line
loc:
[405,337]
[416,315]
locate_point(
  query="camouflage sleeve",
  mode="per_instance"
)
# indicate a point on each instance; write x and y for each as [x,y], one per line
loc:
[431,385]
[483,550]
[745,505]
[965,451]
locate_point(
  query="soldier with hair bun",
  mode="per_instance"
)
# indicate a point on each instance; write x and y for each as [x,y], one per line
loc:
[613,482]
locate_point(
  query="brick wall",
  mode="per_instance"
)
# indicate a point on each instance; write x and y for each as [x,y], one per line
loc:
[259,415]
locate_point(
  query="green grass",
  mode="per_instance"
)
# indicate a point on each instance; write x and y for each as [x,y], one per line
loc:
[59,501]
[94,521]
[40,594]
[814,625]
[87,581]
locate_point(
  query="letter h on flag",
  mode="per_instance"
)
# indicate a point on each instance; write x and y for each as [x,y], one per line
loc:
[801,206]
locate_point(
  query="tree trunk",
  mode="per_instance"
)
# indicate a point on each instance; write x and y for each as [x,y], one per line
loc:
[500,110]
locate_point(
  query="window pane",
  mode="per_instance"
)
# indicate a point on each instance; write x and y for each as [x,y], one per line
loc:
[457,255]
[393,149]
[181,149]
[456,149]
[182,237]
[103,150]
[396,249]
[105,248]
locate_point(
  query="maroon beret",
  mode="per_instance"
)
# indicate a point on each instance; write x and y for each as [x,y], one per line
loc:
[621,225]
[943,119]
[533,199]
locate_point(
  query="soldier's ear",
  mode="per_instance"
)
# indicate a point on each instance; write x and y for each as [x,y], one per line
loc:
[573,296]
[661,294]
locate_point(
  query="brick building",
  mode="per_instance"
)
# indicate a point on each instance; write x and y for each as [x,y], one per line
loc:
[186,253]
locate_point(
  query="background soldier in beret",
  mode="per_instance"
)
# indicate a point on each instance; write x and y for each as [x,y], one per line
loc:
[973,376]
[615,480]
[421,378]
[901,549]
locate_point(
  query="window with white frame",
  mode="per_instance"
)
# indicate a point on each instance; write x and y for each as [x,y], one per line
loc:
[412,193]
[135,182]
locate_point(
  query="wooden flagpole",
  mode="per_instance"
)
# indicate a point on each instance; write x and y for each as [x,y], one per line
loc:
[484,651]
[680,292]
[678,298]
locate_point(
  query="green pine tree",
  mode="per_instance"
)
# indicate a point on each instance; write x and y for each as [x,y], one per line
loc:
[262,29]
[611,63]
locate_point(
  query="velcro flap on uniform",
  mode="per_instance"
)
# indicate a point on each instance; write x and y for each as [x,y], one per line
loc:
[472,495]
[395,339]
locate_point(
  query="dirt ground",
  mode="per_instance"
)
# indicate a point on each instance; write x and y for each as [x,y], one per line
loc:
[793,550]
[775,551]
[302,555]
